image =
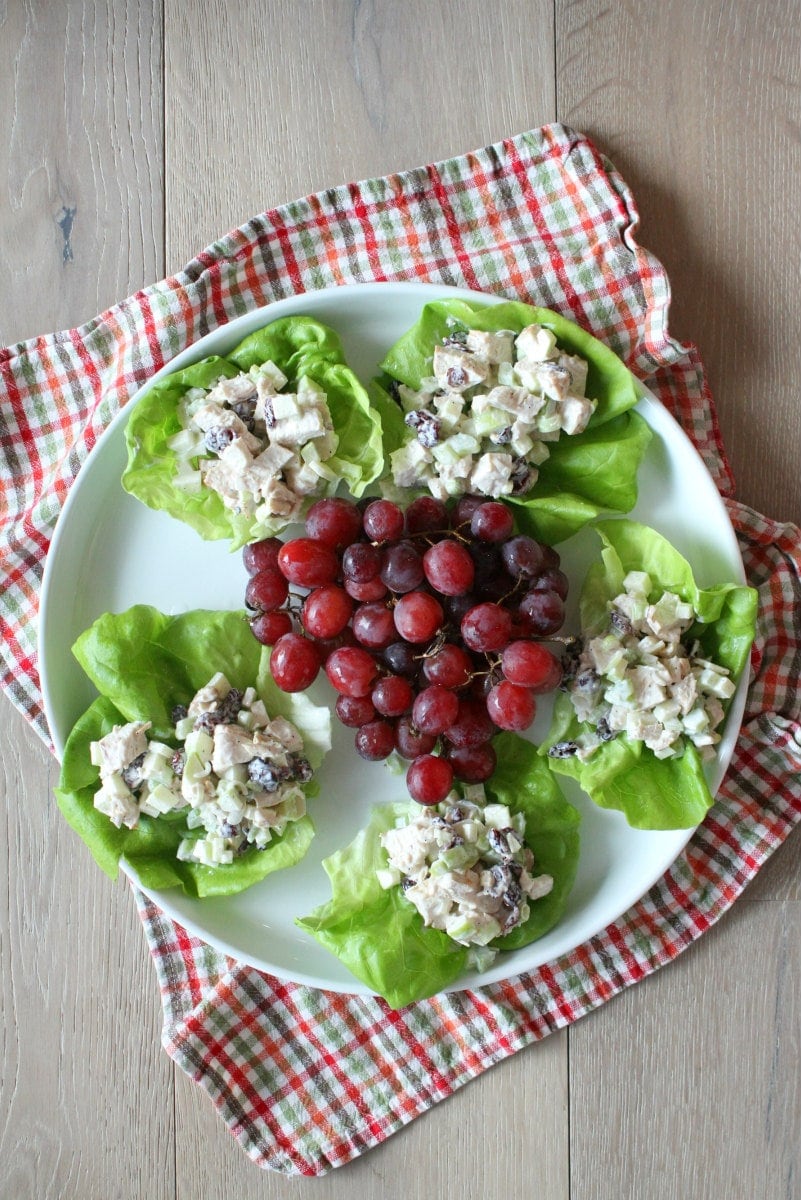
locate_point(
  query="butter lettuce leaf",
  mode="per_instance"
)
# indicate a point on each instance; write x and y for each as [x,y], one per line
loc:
[586,474]
[623,774]
[302,348]
[143,664]
[380,936]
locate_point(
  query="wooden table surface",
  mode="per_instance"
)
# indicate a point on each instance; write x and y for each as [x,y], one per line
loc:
[136,133]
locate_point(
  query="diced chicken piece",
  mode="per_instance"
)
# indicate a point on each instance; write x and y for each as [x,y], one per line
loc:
[214,416]
[457,370]
[642,726]
[294,431]
[517,401]
[267,465]
[409,463]
[228,485]
[117,749]
[230,391]
[535,343]
[575,413]
[554,381]
[286,734]
[685,693]
[431,901]
[648,687]
[237,457]
[232,744]
[209,697]
[279,500]
[494,348]
[538,887]
[492,475]
[578,368]
[117,802]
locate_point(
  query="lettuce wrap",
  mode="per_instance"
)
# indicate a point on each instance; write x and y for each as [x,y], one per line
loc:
[143,664]
[380,936]
[301,348]
[585,474]
[623,774]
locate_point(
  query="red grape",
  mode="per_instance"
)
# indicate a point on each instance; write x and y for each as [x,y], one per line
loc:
[492,522]
[308,563]
[361,562]
[294,662]
[373,626]
[373,589]
[529,664]
[402,658]
[418,616]
[451,666]
[551,580]
[326,611]
[402,567]
[259,555]
[267,590]
[434,709]
[376,740]
[511,706]
[429,779]
[487,627]
[426,515]
[449,568]
[465,507]
[523,556]
[473,764]
[392,696]
[383,521]
[543,613]
[411,742]
[334,521]
[351,671]
[472,725]
[268,627]
[354,711]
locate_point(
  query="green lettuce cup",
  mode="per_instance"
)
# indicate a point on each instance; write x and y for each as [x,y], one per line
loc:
[380,936]
[164,473]
[145,664]
[624,773]
[584,474]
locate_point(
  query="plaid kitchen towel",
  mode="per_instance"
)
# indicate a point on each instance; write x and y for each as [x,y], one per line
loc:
[308,1080]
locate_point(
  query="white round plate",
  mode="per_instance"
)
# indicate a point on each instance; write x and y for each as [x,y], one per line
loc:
[110,552]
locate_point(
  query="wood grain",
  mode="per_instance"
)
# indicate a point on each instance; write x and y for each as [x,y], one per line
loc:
[699,106]
[690,1080]
[86,1107]
[80,90]
[327,91]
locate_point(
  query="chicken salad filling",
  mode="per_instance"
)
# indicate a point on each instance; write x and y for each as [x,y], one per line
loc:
[483,421]
[465,866]
[640,678]
[263,450]
[237,773]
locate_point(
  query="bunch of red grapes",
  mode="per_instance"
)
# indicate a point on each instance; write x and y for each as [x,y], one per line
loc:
[429,624]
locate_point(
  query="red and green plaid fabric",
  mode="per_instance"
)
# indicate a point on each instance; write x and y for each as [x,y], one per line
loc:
[307,1080]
